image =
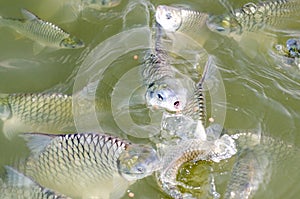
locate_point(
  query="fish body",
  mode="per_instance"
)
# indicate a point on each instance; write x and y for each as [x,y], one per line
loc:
[36,111]
[163,89]
[45,33]
[256,157]
[179,19]
[252,17]
[22,187]
[191,23]
[89,164]
[247,174]
[191,150]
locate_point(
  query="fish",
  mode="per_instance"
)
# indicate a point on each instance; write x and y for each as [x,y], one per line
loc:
[175,19]
[190,22]
[163,89]
[43,32]
[20,186]
[178,19]
[190,150]
[252,17]
[256,157]
[247,174]
[195,106]
[88,165]
[47,112]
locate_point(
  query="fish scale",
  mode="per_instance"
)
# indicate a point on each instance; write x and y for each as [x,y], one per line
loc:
[253,17]
[256,157]
[195,107]
[36,112]
[60,155]
[192,21]
[21,186]
[156,64]
[74,162]
[45,33]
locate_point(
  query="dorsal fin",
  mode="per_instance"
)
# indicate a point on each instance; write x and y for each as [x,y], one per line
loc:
[15,178]
[28,15]
[37,142]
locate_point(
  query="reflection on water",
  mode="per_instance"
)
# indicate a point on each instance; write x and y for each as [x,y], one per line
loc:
[261,88]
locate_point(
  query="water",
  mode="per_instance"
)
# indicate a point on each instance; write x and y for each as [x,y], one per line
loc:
[262,92]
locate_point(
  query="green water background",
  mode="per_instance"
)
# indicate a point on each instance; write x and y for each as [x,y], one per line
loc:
[261,92]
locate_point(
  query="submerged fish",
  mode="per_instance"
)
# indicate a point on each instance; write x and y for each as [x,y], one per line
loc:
[45,33]
[247,174]
[253,165]
[88,165]
[164,90]
[36,112]
[253,16]
[191,150]
[22,187]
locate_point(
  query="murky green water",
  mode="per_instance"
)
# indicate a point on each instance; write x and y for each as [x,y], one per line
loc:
[261,92]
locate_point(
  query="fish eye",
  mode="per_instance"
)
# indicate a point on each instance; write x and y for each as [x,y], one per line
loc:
[176,104]
[169,15]
[160,97]
[140,169]
[220,29]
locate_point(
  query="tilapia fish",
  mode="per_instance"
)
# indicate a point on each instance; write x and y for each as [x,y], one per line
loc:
[253,16]
[36,112]
[254,163]
[89,164]
[191,150]
[163,89]
[22,187]
[45,33]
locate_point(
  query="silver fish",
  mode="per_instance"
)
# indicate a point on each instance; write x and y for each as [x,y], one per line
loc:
[34,111]
[42,31]
[247,174]
[88,165]
[253,165]
[191,150]
[253,16]
[164,90]
[22,187]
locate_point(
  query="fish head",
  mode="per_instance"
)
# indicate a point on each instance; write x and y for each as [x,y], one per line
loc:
[162,95]
[168,17]
[138,161]
[71,42]
[223,24]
